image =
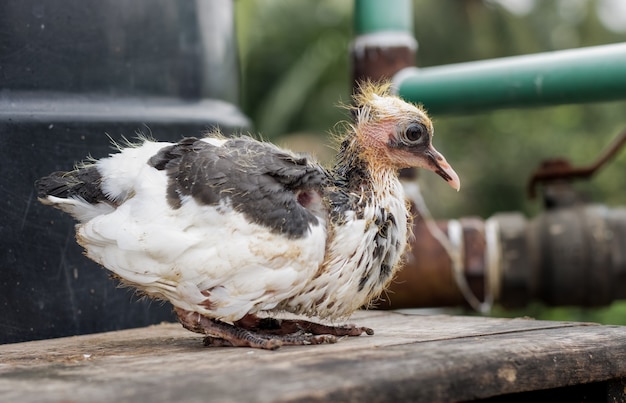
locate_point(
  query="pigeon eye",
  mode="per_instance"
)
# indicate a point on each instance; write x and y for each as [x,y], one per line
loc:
[415,133]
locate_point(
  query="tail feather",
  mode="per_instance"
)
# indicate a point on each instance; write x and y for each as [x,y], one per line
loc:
[100,186]
[82,183]
[77,192]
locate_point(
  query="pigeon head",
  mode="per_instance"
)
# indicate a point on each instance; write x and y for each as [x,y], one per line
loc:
[395,134]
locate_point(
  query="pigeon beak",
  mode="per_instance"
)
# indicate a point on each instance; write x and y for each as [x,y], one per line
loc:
[438,164]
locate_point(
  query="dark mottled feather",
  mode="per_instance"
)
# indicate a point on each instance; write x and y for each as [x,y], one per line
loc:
[351,178]
[259,180]
[81,183]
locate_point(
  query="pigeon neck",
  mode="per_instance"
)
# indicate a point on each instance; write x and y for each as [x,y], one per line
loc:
[351,169]
[355,170]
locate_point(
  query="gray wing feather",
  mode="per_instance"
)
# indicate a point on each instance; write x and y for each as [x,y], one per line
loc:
[261,181]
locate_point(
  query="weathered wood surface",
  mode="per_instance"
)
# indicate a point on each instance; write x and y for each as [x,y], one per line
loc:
[411,357]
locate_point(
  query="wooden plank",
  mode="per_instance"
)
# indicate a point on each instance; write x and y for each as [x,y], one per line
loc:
[434,358]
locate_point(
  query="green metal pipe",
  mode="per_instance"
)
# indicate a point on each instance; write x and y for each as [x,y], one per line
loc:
[581,75]
[372,16]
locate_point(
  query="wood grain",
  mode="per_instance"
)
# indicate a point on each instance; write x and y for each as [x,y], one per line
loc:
[411,357]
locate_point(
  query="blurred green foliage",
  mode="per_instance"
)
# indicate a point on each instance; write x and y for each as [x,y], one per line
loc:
[296,69]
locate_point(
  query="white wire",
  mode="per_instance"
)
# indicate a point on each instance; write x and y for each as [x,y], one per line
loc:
[493,259]
[453,244]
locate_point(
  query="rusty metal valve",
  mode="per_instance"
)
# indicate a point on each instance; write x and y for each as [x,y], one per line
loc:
[566,256]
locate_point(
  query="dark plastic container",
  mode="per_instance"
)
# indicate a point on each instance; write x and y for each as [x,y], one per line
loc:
[73,74]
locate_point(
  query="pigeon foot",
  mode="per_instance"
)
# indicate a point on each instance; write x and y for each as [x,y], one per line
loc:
[265,333]
[291,326]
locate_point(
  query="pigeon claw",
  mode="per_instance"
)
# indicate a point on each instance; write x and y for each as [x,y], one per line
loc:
[266,333]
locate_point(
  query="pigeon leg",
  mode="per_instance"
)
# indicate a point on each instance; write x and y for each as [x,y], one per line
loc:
[293,326]
[223,334]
